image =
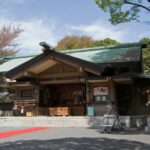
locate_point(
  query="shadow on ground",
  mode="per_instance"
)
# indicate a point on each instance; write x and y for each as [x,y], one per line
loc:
[75,143]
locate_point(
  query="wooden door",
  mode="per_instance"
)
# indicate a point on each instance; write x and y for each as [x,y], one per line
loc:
[123,98]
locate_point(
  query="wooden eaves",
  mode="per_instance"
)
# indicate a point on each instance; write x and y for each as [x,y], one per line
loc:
[93,68]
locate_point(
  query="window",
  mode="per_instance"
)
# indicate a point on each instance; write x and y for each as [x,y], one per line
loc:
[27,93]
[72,97]
[101,94]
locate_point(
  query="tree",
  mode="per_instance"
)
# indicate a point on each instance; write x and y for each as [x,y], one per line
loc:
[106,42]
[74,42]
[8,35]
[8,45]
[123,10]
[146,55]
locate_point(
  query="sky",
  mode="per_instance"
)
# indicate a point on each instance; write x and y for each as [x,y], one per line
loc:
[51,20]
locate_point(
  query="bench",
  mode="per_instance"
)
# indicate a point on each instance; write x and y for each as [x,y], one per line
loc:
[105,128]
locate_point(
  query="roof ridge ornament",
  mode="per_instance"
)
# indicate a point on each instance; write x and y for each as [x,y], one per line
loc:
[46,47]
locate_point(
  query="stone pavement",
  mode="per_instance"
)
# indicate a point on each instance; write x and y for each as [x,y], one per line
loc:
[74,138]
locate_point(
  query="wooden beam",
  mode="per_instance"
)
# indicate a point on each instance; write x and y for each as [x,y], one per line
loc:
[97,81]
[61,75]
[128,80]
[62,81]
[22,84]
[30,74]
[93,71]
[25,74]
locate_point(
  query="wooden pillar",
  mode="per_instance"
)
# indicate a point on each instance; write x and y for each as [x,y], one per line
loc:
[37,98]
[87,95]
[137,101]
[37,93]
[112,91]
[16,93]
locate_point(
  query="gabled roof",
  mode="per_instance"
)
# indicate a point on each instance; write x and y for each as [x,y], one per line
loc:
[56,56]
[109,54]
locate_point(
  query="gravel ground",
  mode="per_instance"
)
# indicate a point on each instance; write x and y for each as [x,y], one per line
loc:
[75,138]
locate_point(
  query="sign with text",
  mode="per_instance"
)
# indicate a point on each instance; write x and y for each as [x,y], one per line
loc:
[100,91]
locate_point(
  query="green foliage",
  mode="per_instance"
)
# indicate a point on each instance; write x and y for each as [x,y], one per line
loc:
[122,11]
[146,55]
[74,42]
[145,40]
[8,35]
[5,98]
[8,45]
[106,42]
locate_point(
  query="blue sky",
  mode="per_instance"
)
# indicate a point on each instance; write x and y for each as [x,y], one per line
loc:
[51,20]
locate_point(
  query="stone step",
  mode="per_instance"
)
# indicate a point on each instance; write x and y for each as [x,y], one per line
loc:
[67,121]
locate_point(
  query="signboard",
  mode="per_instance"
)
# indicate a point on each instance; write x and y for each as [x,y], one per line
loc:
[100,91]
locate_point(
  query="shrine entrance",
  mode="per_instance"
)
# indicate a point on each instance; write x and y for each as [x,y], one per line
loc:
[68,98]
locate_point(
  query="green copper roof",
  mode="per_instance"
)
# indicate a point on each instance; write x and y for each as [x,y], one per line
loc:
[109,54]
[122,53]
[12,62]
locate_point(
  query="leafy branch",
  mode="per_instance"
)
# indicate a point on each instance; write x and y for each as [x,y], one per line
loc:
[119,13]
